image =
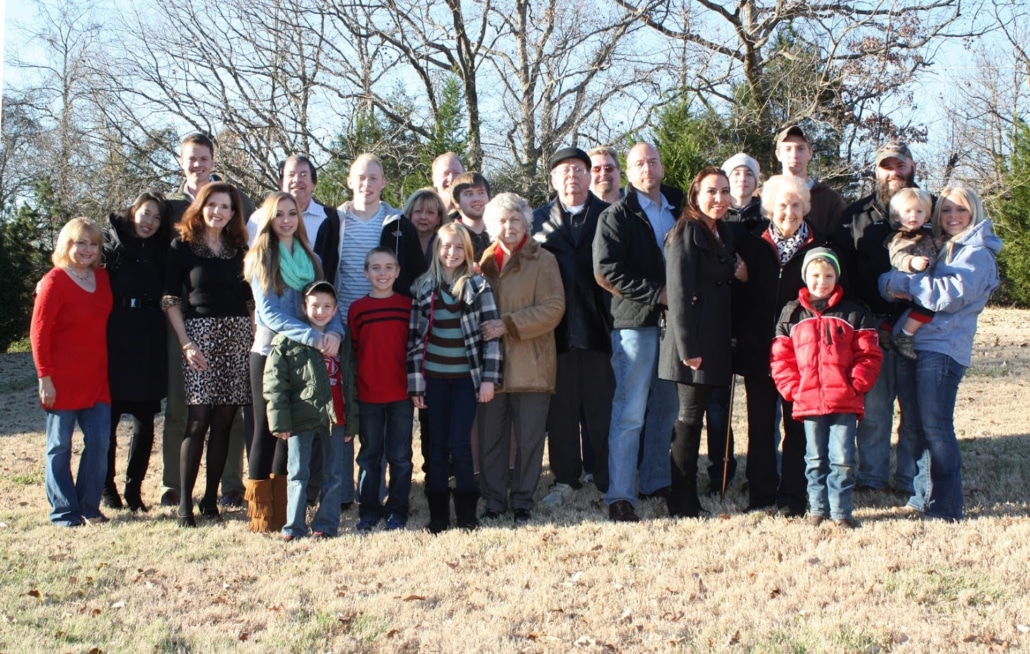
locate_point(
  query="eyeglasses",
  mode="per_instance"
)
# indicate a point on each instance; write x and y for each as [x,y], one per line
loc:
[608,168]
[566,169]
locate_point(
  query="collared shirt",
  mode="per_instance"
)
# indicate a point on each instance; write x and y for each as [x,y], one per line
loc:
[313,217]
[659,215]
[576,215]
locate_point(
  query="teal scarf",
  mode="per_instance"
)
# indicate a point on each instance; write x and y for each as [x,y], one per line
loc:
[295,267]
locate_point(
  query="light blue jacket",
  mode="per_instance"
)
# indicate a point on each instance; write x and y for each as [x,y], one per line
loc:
[957,288]
[279,314]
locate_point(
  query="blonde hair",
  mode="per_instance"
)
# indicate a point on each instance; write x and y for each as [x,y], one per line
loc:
[425,198]
[262,260]
[905,198]
[435,274]
[72,231]
[967,198]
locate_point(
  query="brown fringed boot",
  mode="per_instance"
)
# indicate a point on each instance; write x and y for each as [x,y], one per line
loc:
[278,518]
[260,508]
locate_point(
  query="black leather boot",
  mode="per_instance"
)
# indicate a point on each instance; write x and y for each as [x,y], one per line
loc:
[439,512]
[465,510]
[682,500]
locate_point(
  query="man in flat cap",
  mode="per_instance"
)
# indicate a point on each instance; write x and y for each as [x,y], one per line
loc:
[565,227]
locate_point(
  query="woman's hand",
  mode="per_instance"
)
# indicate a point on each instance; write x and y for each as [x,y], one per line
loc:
[47,392]
[693,364]
[486,392]
[493,329]
[330,344]
[740,270]
[283,435]
[195,359]
[419,401]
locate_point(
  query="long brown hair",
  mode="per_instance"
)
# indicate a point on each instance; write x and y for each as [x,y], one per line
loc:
[262,260]
[692,209]
[191,227]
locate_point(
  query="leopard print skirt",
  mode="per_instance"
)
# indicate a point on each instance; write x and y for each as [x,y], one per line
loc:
[225,343]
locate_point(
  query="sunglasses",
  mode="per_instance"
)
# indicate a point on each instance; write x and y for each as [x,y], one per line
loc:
[608,168]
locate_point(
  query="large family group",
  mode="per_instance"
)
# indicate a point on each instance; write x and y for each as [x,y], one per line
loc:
[611,322]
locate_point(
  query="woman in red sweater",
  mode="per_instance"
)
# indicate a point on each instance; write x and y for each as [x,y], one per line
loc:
[69,345]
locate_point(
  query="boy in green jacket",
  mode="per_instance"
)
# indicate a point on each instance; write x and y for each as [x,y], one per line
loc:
[305,397]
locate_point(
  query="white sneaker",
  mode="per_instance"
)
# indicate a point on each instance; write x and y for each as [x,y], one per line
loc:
[560,493]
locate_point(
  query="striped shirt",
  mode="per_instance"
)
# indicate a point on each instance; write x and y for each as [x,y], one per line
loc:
[357,237]
[445,349]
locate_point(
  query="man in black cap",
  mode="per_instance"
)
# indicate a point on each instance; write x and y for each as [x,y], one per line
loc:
[866,225]
[565,227]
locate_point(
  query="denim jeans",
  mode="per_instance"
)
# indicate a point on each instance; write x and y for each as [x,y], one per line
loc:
[71,501]
[830,469]
[874,433]
[928,388]
[639,393]
[385,429]
[327,517]
[451,408]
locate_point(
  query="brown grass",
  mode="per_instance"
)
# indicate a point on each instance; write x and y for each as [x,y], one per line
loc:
[570,581]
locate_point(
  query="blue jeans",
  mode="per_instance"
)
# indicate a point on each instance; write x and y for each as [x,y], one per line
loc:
[717,416]
[385,428]
[298,466]
[928,388]
[451,408]
[874,433]
[830,459]
[71,501]
[639,394]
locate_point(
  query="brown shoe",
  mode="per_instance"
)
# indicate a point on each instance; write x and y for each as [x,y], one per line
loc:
[622,511]
[846,523]
[815,519]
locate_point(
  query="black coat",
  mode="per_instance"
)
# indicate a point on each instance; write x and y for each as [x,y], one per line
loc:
[586,324]
[399,234]
[628,260]
[700,279]
[757,303]
[137,341]
[864,232]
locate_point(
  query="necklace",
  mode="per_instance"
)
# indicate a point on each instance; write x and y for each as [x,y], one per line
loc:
[81,278]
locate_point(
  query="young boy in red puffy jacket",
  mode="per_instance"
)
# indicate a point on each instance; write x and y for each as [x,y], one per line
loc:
[825,358]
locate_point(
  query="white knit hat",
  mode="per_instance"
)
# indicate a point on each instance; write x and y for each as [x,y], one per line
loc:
[741,159]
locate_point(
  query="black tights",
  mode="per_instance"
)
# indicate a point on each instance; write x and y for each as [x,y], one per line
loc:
[267,454]
[199,418]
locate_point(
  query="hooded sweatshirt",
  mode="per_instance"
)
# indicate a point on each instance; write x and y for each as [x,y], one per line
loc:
[957,288]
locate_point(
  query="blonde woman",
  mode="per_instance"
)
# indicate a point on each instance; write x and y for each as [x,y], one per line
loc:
[69,346]
[278,266]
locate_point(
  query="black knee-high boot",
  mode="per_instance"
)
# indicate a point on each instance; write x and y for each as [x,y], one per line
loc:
[682,500]
[439,511]
[465,510]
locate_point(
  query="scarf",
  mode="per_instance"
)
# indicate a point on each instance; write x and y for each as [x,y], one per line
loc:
[296,268]
[788,246]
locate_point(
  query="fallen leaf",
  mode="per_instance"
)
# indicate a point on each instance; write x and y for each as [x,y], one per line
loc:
[814,560]
[411,598]
[35,593]
[735,638]
[532,636]
[724,516]
[392,633]
[96,650]
[244,636]
[597,548]
[118,605]
[773,592]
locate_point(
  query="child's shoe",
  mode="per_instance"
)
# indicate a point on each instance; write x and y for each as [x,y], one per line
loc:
[904,344]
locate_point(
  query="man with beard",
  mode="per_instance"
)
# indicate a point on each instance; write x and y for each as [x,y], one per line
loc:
[565,227]
[865,226]
[605,176]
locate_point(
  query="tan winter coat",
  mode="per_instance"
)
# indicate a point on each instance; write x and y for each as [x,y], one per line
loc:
[531,301]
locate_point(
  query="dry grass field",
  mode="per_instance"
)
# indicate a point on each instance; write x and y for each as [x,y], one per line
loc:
[569,582]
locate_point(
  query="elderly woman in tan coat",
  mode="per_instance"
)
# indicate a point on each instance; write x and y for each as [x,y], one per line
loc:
[530,298]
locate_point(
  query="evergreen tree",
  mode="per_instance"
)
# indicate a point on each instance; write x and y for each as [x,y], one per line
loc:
[1013,222]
